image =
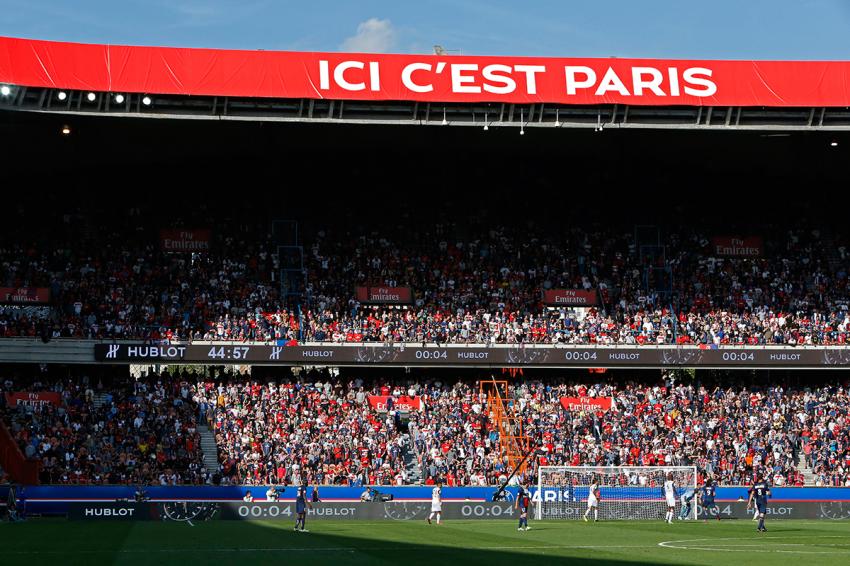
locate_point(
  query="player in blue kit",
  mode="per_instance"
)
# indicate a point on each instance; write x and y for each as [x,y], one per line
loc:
[686,499]
[759,493]
[301,505]
[523,503]
[707,498]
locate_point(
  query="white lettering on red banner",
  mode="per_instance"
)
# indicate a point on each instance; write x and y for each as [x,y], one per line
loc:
[570,297]
[424,78]
[185,240]
[586,403]
[384,295]
[402,403]
[752,246]
[36,399]
[24,295]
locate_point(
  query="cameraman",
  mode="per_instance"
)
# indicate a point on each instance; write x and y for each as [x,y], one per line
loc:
[272,494]
[367,495]
[140,495]
[12,506]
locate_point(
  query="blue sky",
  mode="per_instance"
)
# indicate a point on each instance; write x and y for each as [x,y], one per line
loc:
[722,29]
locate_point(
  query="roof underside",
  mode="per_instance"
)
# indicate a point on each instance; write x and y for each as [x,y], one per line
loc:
[46,100]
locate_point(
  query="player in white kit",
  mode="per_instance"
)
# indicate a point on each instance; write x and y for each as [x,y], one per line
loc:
[670,496]
[593,502]
[436,502]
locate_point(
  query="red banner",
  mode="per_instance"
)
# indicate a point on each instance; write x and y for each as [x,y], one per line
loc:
[34,399]
[384,295]
[586,403]
[404,403]
[185,240]
[24,295]
[425,78]
[729,246]
[570,297]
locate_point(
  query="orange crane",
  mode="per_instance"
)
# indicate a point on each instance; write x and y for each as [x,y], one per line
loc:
[514,445]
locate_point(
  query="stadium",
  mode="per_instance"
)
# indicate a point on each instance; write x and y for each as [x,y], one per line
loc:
[423,302]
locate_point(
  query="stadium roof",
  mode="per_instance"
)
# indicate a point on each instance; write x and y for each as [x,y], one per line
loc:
[73,78]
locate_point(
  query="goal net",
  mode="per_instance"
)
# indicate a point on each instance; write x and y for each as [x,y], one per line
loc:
[625,492]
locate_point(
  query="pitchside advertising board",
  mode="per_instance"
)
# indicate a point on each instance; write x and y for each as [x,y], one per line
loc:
[417,511]
[422,78]
[99,503]
[480,356]
[371,511]
[266,510]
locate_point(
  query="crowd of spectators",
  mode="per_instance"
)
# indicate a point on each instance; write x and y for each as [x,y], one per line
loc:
[131,431]
[488,289]
[324,429]
[728,433]
[454,437]
[477,283]
[288,431]
[327,432]
[120,284]
[825,416]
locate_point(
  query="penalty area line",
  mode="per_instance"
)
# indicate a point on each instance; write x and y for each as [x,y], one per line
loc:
[719,545]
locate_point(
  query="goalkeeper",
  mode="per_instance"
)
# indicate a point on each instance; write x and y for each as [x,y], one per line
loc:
[686,499]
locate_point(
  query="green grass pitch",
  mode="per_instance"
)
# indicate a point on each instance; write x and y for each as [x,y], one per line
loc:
[466,543]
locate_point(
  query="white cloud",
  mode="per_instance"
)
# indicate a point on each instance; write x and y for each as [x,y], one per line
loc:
[373,36]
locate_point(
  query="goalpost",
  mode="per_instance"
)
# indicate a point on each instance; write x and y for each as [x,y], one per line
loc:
[626,492]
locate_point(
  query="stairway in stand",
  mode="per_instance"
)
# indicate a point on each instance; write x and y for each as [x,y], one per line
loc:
[809,474]
[833,256]
[99,400]
[411,460]
[209,448]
